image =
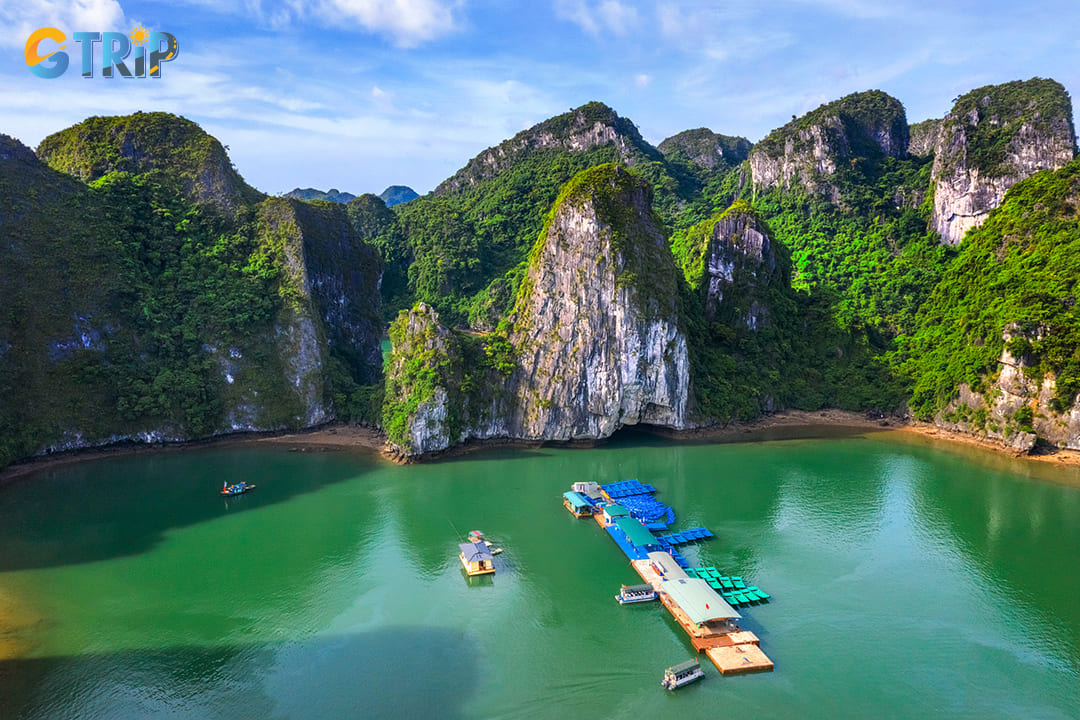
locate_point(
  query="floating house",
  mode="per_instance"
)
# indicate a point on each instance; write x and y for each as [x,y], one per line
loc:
[612,512]
[578,504]
[588,489]
[637,534]
[477,559]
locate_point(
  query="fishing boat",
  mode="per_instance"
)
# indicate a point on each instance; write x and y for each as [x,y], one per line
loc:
[636,594]
[237,489]
[682,674]
[475,536]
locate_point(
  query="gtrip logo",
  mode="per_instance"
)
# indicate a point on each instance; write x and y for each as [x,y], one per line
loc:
[155,47]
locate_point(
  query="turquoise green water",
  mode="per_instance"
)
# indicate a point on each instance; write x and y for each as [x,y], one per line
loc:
[908,581]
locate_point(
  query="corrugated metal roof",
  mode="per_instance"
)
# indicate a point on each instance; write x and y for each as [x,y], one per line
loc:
[685,667]
[577,500]
[475,552]
[699,601]
[616,510]
[636,532]
[669,568]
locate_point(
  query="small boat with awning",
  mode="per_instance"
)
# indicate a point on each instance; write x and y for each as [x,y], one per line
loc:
[682,674]
[636,594]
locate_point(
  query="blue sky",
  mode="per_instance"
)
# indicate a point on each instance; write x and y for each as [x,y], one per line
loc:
[361,94]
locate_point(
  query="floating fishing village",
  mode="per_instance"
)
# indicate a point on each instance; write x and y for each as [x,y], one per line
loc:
[701,599]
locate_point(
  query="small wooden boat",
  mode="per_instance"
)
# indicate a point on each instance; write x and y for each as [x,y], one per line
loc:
[636,594]
[475,536]
[238,489]
[682,674]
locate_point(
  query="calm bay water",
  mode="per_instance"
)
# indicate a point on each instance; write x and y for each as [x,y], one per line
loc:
[908,581]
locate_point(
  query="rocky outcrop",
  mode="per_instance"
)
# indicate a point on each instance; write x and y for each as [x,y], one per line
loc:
[806,152]
[1019,408]
[593,344]
[922,137]
[343,273]
[739,261]
[587,127]
[705,149]
[994,137]
[731,261]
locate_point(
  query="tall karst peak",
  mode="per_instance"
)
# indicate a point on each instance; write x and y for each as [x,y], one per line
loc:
[807,151]
[994,137]
[591,125]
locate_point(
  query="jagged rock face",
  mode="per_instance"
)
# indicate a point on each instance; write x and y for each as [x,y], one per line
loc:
[423,339]
[739,250]
[1012,393]
[579,130]
[343,273]
[594,356]
[705,149]
[923,137]
[805,151]
[1032,121]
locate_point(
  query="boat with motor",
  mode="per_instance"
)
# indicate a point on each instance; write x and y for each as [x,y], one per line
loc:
[475,536]
[236,489]
[636,594]
[682,674]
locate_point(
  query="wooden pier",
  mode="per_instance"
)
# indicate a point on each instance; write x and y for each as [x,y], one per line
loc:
[732,650]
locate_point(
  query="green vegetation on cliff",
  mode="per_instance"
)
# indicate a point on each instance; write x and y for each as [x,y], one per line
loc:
[176,150]
[161,301]
[1022,268]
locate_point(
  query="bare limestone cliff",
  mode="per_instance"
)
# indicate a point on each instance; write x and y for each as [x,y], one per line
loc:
[994,137]
[805,153]
[596,325]
[923,137]
[593,343]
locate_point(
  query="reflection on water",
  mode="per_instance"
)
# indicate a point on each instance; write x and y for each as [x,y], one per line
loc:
[907,582]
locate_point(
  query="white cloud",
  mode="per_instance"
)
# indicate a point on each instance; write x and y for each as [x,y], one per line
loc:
[19,18]
[642,80]
[408,23]
[608,16]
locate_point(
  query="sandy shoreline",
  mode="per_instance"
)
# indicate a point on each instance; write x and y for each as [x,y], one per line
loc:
[789,424]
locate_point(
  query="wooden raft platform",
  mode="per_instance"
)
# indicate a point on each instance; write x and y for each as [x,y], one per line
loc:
[732,650]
